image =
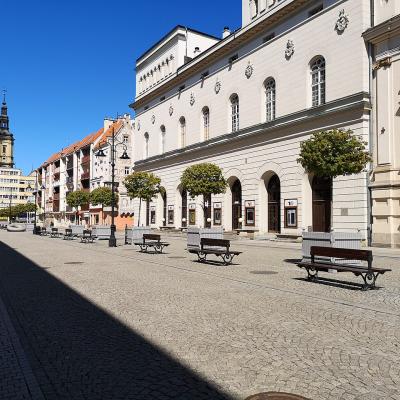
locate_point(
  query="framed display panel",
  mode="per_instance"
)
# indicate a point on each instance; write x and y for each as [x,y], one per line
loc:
[250,212]
[217,214]
[291,216]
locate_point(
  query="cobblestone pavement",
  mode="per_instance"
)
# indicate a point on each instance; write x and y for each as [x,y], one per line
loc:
[100,323]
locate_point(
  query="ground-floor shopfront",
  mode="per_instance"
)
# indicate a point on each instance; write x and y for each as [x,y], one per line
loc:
[268,192]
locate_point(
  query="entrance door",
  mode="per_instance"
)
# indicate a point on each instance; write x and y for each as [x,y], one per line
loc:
[321,199]
[184,209]
[274,205]
[236,204]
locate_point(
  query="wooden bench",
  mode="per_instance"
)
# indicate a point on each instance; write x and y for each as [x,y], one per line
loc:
[218,247]
[68,234]
[153,241]
[368,273]
[87,237]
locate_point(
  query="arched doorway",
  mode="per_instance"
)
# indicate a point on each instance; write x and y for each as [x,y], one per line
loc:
[274,204]
[236,190]
[184,209]
[321,203]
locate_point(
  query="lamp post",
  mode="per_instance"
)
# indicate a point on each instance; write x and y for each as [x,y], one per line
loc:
[35,193]
[113,147]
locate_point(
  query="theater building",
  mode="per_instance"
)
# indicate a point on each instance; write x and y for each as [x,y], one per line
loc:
[245,102]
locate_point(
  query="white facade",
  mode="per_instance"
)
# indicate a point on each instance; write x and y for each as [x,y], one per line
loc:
[282,43]
[384,41]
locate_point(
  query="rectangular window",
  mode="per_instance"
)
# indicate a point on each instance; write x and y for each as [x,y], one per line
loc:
[126,170]
[233,58]
[4,149]
[153,215]
[126,139]
[192,217]
[315,10]
[268,37]
[170,215]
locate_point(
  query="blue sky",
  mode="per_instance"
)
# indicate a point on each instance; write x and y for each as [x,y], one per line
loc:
[68,64]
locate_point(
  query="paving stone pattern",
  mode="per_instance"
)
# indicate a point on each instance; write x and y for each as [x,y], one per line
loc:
[127,325]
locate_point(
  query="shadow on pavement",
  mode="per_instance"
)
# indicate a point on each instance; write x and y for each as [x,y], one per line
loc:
[78,351]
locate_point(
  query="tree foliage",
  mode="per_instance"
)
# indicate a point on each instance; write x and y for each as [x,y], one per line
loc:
[78,198]
[333,153]
[17,210]
[143,186]
[103,196]
[203,179]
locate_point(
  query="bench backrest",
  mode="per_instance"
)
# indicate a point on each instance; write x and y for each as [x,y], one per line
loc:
[347,254]
[54,229]
[68,231]
[149,236]
[215,243]
[87,232]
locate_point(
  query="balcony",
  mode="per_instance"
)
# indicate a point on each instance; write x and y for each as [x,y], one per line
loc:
[56,206]
[70,165]
[56,171]
[56,196]
[85,159]
[85,175]
[56,183]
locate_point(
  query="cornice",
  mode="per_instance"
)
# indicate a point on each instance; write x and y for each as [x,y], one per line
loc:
[359,100]
[383,31]
[220,50]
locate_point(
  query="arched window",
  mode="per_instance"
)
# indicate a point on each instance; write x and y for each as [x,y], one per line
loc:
[182,127]
[235,112]
[162,129]
[253,8]
[317,67]
[270,96]
[206,123]
[146,145]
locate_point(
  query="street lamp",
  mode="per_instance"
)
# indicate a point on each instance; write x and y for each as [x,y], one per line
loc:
[35,193]
[114,144]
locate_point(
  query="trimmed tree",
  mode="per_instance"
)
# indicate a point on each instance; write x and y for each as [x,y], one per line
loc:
[203,180]
[103,196]
[334,153]
[77,199]
[329,154]
[143,186]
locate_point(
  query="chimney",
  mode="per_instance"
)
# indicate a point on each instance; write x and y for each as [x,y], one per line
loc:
[226,32]
[197,51]
[107,123]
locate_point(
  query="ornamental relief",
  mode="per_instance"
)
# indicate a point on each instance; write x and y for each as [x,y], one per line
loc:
[153,119]
[289,51]
[217,87]
[192,99]
[342,22]
[249,71]
[171,110]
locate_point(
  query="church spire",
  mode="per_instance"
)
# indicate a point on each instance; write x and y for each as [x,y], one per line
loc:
[6,137]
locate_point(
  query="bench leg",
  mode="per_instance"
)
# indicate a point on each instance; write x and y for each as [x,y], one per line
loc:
[312,274]
[159,248]
[227,258]
[369,280]
[201,256]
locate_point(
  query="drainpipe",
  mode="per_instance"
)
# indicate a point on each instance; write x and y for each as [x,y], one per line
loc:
[371,130]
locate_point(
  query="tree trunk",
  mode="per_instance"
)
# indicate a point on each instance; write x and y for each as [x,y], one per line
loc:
[140,206]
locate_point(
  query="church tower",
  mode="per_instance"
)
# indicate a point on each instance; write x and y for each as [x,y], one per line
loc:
[6,138]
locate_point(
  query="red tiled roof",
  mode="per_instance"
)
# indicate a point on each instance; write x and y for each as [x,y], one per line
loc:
[108,133]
